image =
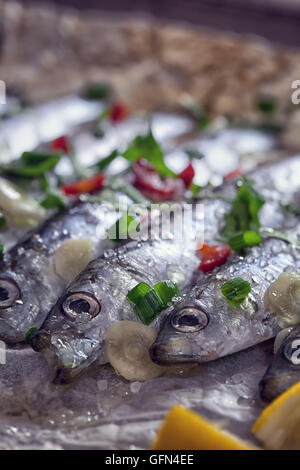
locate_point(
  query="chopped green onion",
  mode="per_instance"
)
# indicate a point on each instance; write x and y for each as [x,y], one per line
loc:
[149,306]
[138,292]
[103,164]
[29,333]
[33,164]
[120,230]
[266,104]
[1,250]
[193,153]
[235,291]
[243,240]
[96,91]
[149,302]
[166,291]
[147,147]
[53,201]
[2,221]
[195,189]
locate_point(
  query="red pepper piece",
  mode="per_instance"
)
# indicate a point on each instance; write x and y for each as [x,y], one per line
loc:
[117,112]
[90,185]
[62,144]
[187,175]
[233,174]
[148,181]
[213,256]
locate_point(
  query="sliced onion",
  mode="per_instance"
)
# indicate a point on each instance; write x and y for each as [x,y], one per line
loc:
[127,346]
[71,257]
[19,208]
[283,299]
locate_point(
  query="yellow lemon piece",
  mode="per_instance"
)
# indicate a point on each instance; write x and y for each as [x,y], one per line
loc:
[278,426]
[186,430]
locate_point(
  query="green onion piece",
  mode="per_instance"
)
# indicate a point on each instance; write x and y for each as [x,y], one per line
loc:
[103,164]
[29,334]
[33,164]
[137,293]
[149,306]
[120,230]
[53,201]
[266,104]
[96,91]
[243,240]
[235,291]
[243,216]
[2,221]
[1,250]
[193,153]
[166,291]
[147,147]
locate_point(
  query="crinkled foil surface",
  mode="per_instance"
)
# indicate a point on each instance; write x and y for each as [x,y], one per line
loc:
[102,410]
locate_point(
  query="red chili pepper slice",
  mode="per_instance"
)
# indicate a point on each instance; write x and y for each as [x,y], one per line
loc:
[233,174]
[187,175]
[148,181]
[90,185]
[118,112]
[213,256]
[62,144]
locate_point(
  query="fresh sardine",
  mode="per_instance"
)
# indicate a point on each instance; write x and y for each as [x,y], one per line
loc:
[204,326]
[29,285]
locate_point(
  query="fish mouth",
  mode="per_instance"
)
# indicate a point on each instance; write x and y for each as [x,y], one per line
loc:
[175,351]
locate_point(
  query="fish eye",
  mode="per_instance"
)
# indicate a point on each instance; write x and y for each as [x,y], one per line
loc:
[80,303]
[189,320]
[9,292]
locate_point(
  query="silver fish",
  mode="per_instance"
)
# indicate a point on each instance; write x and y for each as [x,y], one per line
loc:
[29,286]
[204,326]
[284,370]
[73,333]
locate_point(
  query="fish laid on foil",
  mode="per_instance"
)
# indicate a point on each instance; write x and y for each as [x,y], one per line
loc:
[74,331]
[32,274]
[204,326]
[284,370]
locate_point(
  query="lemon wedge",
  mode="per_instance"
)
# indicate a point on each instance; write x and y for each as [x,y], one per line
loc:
[278,426]
[186,430]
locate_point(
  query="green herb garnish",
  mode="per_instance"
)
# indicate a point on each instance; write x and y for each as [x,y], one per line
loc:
[235,291]
[243,216]
[2,221]
[33,164]
[266,104]
[148,148]
[243,240]
[29,333]
[193,153]
[1,250]
[166,291]
[53,200]
[96,91]
[105,162]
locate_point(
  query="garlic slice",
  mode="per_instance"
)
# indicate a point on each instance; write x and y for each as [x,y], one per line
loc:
[127,346]
[71,257]
[20,209]
[283,299]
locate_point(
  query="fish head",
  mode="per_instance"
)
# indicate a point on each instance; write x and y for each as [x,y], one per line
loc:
[204,327]
[284,370]
[19,306]
[73,335]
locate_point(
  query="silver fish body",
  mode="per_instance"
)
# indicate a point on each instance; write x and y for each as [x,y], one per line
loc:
[284,370]
[29,285]
[204,326]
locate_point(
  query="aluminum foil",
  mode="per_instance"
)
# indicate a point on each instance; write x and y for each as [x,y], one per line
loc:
[102,410]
